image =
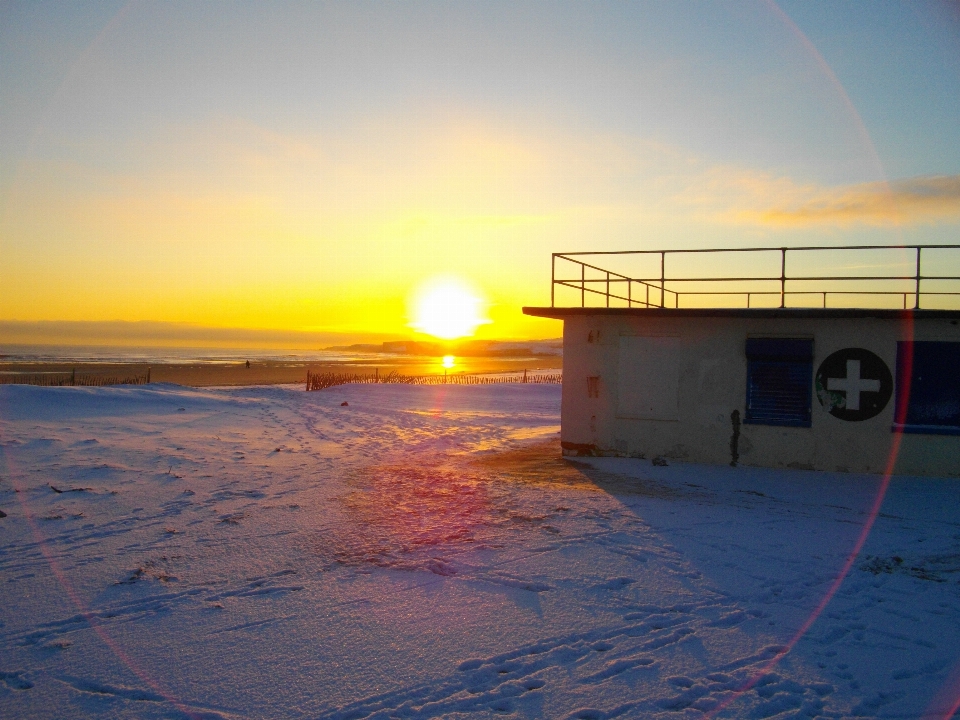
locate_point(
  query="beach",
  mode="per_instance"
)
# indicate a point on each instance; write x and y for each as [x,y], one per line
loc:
[377,551]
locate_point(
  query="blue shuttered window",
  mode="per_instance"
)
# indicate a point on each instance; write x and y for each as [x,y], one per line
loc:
[779,381]
[933,372]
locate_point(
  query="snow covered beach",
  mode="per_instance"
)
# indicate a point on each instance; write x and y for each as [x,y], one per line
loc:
[424,552]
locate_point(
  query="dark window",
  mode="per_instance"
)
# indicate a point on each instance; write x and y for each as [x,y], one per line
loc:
[933,373]
[779,381]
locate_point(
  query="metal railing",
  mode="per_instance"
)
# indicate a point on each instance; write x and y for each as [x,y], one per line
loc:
[665,290]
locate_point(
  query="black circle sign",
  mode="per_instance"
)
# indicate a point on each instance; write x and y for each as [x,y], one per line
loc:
[854,384]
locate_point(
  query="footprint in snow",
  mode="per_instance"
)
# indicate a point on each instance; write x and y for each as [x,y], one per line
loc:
[15,680]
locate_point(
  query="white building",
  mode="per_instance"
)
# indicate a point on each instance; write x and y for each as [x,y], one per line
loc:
[859,390]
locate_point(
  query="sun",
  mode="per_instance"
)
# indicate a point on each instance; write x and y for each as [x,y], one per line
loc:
[448,309]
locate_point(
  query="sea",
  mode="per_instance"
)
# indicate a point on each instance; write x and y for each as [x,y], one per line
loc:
[10,353]
[158,355]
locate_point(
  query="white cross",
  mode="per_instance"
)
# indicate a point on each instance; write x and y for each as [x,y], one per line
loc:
[853,385]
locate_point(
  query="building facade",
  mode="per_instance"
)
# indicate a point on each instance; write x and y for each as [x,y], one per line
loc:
[825,389]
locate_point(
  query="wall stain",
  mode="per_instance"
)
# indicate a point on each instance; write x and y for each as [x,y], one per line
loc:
[735,438]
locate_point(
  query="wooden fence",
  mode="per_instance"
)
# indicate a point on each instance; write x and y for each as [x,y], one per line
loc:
[72,378]
[319,381]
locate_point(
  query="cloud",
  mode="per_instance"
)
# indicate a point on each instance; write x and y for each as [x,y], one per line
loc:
[920,200]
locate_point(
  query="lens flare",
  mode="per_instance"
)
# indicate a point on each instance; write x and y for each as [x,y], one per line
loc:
[448,361]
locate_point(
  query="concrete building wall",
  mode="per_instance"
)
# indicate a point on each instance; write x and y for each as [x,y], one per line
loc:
[654,385]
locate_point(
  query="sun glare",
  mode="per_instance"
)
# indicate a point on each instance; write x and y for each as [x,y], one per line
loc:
[446,308]
[448,361]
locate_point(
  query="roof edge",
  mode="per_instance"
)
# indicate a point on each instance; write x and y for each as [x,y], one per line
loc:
[559,313]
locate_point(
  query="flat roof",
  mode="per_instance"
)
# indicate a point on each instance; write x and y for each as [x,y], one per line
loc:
[559,313]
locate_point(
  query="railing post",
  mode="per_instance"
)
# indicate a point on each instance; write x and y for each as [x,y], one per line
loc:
[553,276]
[629,292]
[583,285]
[916,304]
[647,286]
[783,277]
[748,301]
[608,288]
[663,277]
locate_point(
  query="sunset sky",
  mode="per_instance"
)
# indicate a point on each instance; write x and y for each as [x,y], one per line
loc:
[315,166]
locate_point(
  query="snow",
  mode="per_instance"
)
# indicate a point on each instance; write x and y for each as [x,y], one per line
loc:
[424,552]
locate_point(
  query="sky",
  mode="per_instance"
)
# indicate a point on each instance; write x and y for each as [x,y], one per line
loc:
[311,167]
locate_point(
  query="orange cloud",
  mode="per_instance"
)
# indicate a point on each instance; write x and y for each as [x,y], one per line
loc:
[920,200]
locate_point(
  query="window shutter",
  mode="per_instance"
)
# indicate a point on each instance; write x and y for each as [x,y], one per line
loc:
[779,381]
[933,405]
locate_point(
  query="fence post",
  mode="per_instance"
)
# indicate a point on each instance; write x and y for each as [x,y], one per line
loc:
[783,277]
[916,305]
[553,275]
[583,285]
[73,377]
[608,288]
[148,376]
[663,278]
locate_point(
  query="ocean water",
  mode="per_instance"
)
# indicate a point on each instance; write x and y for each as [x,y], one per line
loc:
[161,355]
